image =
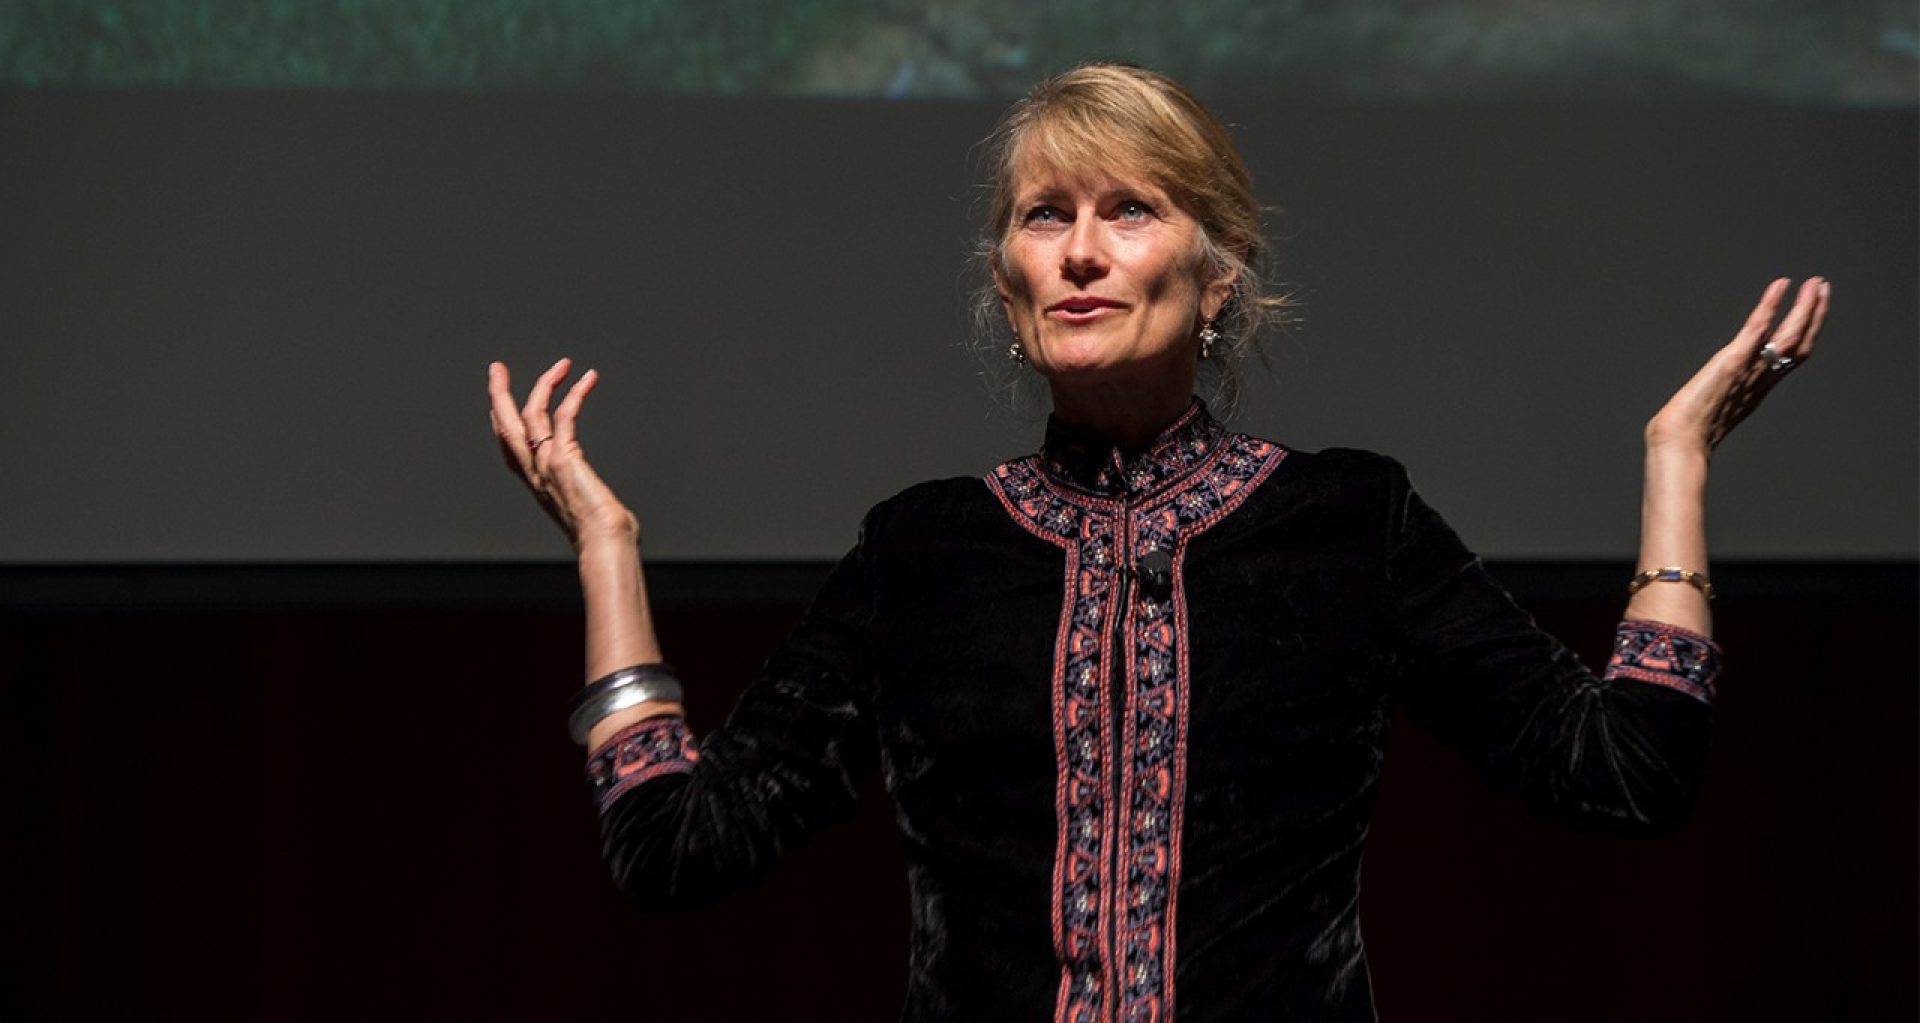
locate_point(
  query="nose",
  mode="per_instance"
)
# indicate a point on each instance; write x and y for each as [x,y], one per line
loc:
[1083,258]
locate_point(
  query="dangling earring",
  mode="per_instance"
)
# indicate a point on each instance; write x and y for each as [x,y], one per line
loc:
[1015,353]
[1208,337]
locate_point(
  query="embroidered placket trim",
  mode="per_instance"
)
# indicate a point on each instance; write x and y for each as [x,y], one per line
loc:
[1134,911]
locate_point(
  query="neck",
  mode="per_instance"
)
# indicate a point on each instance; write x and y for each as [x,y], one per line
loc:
[1127,417]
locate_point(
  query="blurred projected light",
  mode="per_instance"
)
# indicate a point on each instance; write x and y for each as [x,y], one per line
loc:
[1841,52]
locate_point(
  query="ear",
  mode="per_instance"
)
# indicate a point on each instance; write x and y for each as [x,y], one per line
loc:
[1217,290]
[1214,295]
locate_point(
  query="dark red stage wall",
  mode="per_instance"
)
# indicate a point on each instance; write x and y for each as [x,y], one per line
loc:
[328,815]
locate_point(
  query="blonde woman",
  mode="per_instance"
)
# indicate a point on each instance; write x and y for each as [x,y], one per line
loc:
[1129,694]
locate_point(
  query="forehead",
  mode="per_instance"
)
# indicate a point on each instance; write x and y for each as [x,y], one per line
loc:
[1042,169]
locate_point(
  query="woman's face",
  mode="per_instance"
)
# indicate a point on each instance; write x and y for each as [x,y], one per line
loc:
[1102,276]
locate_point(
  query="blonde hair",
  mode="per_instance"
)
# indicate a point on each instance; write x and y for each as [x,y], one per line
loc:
[1121,118]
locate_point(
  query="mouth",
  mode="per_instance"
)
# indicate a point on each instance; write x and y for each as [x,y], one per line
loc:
[1080,308]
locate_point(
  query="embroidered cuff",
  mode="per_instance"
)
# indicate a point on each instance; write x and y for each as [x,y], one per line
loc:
[1666,655]
[645,749]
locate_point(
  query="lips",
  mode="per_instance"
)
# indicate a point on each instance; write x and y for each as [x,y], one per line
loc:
[1084,304]
[1082,308]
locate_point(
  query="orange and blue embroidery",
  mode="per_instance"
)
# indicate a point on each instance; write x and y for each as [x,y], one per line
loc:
[1665,655]
[646,749]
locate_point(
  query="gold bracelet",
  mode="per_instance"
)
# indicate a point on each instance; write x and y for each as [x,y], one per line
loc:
[1670,574]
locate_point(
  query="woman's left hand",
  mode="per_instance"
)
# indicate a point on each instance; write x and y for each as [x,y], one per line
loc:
[1730,386]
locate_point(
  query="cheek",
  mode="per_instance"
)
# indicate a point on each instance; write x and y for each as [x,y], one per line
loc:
[1016,288]
[1013,281]
[1165,266]
[1011,275]
[1170,277]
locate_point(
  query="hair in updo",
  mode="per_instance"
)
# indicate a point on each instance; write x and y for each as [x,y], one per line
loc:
[1129,120]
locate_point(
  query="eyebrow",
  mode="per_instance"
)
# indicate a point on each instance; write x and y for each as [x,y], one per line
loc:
[1055,192]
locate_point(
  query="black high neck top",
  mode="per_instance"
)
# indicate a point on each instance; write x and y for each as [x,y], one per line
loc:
[1090,463]
[1124,799]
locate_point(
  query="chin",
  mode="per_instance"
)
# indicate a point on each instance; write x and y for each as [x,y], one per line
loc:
[1085,359]
[1080,372]
[1080,356]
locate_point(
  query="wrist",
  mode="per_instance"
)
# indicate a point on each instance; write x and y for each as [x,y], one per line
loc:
[1667,446]
[607,546]
[1676,464]
[614,528]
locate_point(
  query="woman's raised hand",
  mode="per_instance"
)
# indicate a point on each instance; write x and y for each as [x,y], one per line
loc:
[1732,383]
[543,449]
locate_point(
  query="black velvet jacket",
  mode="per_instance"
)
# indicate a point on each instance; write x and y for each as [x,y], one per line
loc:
[1130,708]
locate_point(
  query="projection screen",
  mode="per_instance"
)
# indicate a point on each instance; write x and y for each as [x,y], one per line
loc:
[255,258]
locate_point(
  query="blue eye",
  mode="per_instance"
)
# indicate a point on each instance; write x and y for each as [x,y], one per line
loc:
[1044,215]
[1133,209]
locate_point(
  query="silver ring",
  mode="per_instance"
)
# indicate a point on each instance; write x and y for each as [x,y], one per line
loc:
[1774,360]
[533,447]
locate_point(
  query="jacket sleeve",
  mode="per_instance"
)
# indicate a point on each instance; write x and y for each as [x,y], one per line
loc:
[1621,752]
[685,823]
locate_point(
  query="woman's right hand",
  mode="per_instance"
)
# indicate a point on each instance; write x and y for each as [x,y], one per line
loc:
[543,449]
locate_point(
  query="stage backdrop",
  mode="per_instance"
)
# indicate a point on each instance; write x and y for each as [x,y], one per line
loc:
[256,257]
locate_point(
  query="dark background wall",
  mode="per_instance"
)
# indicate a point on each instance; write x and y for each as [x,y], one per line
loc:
[267,804]
[254,326]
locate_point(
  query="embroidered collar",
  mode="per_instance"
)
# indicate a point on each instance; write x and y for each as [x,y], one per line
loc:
[1089,463]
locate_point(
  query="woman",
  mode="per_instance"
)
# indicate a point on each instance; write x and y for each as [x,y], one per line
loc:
[1129,695]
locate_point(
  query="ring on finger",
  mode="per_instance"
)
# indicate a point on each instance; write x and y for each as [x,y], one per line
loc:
[533,447]
[1774,360]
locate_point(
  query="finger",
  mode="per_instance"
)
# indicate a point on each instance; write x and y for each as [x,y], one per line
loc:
[507,423]
[1825,299]
[534,414]
[542,393]
[1786,338]
[1738,356]
[1762,316]
[565,417]
[500,394]
[1759,372]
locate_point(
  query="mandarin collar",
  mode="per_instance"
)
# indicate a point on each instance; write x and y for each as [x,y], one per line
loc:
[1089,462]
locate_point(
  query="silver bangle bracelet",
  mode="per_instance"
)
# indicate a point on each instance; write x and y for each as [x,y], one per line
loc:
[628,687]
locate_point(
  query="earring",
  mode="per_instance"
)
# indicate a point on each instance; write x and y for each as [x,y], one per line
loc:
[1208,338]
[1015,353]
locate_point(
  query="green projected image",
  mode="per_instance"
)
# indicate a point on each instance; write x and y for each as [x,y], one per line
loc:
[1864,52]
